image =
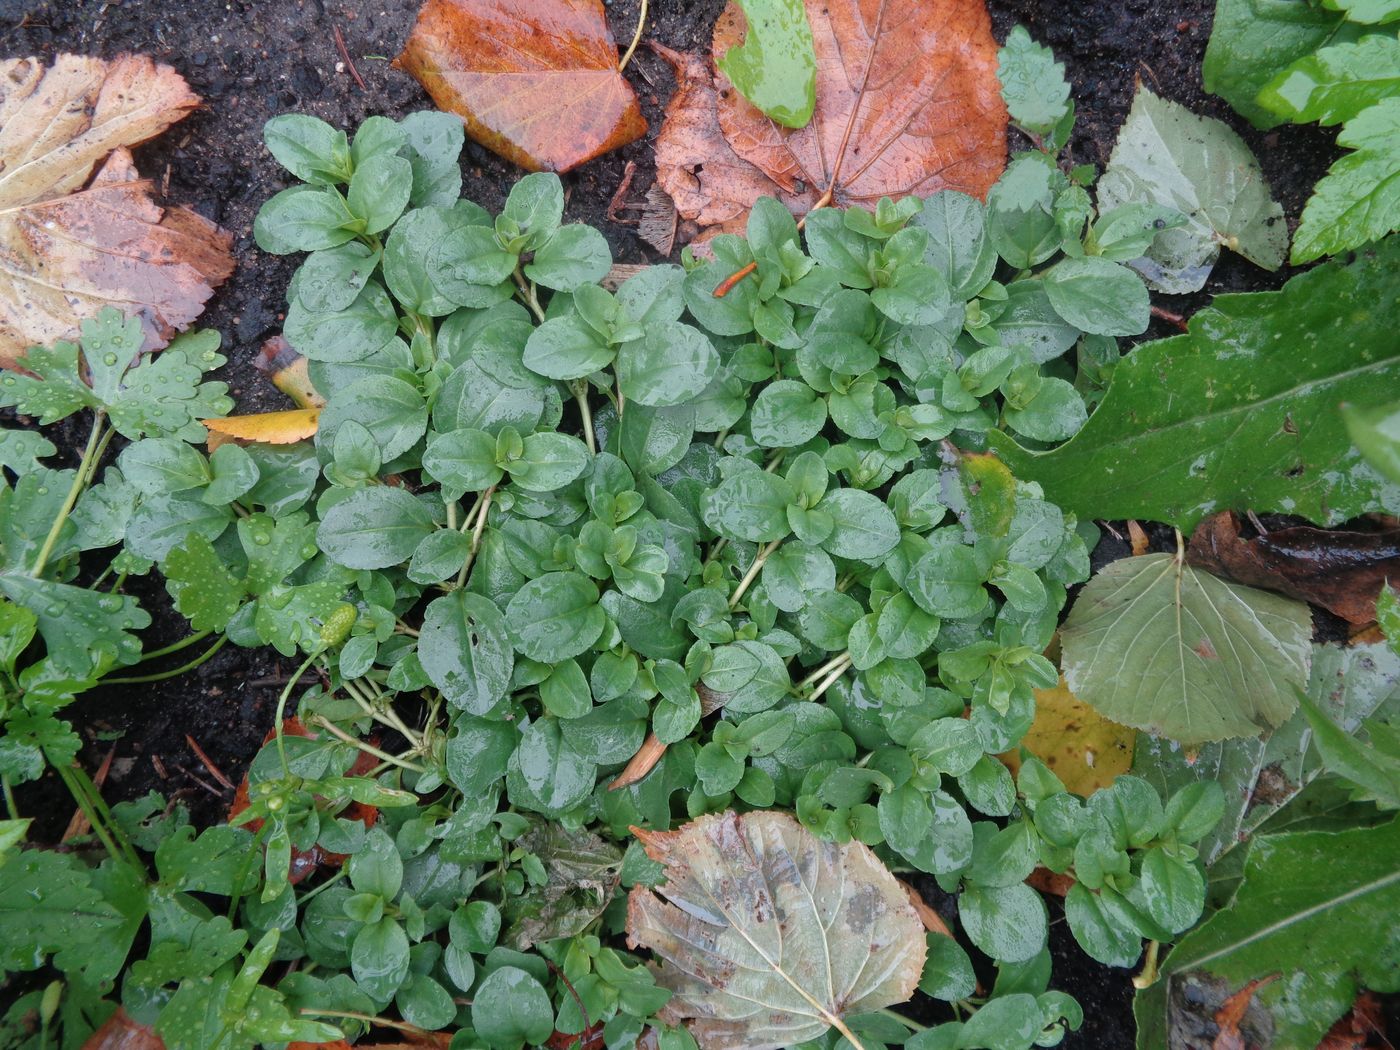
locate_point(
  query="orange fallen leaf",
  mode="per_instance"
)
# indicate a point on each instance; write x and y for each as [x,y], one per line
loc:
[1233,1011]
[1139,539]
[707,181]
[1360,1028]
[120,1032]
[1084,749]
[72,246]
[933,922]
[269,428]
[652,749]
[535,80]
[1052,882]
[908,101]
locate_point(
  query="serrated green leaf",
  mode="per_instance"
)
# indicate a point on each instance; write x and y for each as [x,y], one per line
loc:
[1358,200]
[1168,156]
[1032,82]
[1158,645]
[205,592]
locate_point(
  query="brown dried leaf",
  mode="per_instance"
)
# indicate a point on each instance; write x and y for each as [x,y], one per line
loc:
[768,936]
[1341,571]
[535,80]
[1232,1012]
[709,183]
[908,102]
[66,250]
[933,922]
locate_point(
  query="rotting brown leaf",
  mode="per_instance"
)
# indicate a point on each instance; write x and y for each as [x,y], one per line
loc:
[1232,1012]
[535,81]
[120,1032]
[72,241]
[1340,570]
[769,936]
[708,182]
[908,101]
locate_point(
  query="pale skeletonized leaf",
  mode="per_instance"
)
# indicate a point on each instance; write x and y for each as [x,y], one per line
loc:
[769,936]
[1168,155]
[69,246]
[1159,646]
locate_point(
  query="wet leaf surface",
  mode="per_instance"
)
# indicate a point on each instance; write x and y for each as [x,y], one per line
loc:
[1081,747]
[535,80]
[768,936]
[1342,571]
[74,241]
[1155,644]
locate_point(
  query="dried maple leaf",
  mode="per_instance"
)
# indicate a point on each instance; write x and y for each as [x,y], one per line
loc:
[1340,570]
[767,935]
[709,183]
[907,102]
[69,246]
[535,80]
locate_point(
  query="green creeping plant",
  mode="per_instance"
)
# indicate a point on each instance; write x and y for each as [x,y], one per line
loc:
[60,635]
[541,520]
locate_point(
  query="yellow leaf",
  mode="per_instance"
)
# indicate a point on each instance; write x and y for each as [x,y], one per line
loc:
[270,428]
[1082,748]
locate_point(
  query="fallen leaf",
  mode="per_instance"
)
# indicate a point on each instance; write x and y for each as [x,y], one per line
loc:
[1081,747]
[1169,156]
[652,749]
[120,1032]
[1158,645]
[908,102]
[72,246]
[536,81]
[1340,570]
[1361,1029]
[1055,883]
[269,428]
[933,922]
[767,935]
[1138,536]
[290,372]
[1233,1011]
[708,182]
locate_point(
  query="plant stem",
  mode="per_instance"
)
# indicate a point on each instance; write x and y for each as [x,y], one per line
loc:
[636,38]
[282,710]
[1149,967]
[10,806]
[183,643]
[477,532]
[829,681]
[528,295]
[580,388]
[378,1022]
[96,445]
[752,574]
[176,673]
[908,1022]
[821,672]
[368,749]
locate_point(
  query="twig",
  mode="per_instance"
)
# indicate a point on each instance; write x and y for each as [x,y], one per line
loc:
[345,54]
[201,782]
[619,202]
[1173,319]
[214,771]
[80,825]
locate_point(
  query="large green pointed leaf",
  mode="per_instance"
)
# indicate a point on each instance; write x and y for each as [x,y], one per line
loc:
[1321,906]
[1241,411]
[769,936]
[1169,156]
[1336,83]
[1155,644]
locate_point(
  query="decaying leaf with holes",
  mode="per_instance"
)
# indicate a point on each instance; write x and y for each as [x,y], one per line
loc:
[535,80]
[769,936]
[73,242]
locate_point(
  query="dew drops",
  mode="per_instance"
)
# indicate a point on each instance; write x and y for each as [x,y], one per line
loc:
[109,359]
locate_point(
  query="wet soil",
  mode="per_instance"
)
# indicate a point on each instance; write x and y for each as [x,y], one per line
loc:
[253,59]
